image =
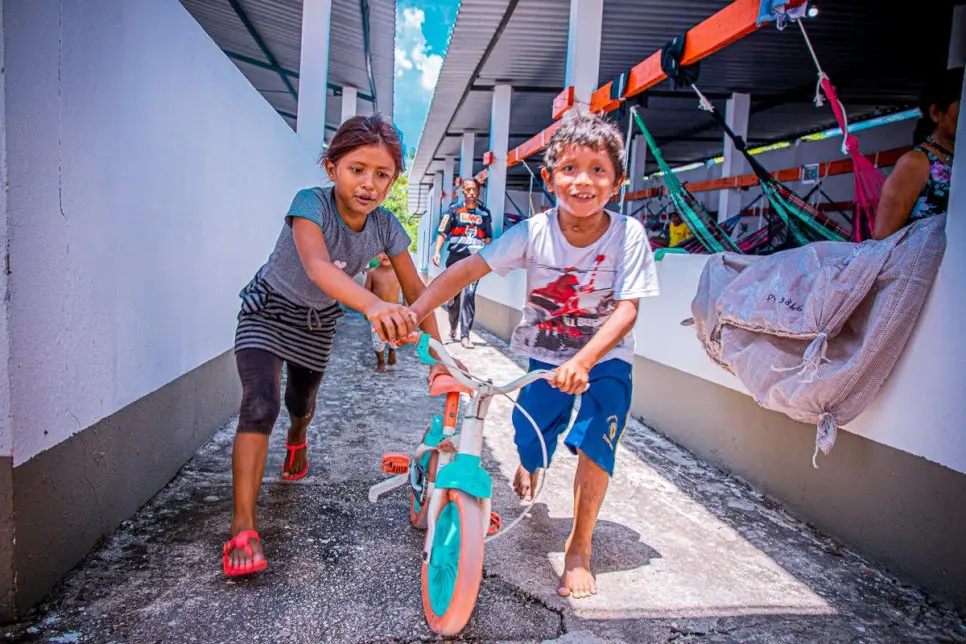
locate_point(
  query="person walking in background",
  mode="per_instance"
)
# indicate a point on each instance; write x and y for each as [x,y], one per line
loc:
[469,228]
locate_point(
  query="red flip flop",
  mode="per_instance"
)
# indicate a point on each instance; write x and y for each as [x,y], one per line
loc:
[241,540]
[291,459]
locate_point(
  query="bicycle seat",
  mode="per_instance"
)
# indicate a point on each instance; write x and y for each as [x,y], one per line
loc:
[443,384]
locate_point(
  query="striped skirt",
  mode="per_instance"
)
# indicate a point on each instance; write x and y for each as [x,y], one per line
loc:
[297,334]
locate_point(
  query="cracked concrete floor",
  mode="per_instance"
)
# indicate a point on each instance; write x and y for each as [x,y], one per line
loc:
[682,551]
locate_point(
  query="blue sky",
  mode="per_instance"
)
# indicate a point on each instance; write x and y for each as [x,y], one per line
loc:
[422,29]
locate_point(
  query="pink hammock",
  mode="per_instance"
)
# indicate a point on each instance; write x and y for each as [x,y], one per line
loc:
[868,178]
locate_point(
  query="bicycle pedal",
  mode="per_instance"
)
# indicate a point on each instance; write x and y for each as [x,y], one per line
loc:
[495,524]
[395,463]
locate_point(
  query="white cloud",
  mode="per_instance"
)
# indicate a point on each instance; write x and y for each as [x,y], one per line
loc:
[411,50]
[403,63]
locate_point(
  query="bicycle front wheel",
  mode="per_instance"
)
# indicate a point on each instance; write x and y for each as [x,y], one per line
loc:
[451,581]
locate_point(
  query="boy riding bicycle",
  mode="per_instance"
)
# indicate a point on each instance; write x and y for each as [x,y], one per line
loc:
[586,270]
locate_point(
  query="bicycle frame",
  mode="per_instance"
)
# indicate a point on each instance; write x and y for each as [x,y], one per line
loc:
[463,469]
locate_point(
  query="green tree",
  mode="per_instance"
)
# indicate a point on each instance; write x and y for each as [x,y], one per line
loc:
[398,204]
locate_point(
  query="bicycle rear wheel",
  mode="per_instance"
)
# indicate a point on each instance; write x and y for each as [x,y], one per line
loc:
[451,580]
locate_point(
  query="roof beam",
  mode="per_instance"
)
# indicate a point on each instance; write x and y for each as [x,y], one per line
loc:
[803,93]
[261,45]
[728,25]
[367,50]
[248,60]
[513,135]
[289,115]
[500,28]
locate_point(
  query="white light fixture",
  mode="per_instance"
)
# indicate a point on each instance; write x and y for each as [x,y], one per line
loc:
[812,11]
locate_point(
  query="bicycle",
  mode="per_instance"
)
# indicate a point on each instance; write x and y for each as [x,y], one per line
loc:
[450,492]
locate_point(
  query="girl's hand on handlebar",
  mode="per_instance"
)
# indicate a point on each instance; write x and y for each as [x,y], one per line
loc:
[392,322]
[571,378]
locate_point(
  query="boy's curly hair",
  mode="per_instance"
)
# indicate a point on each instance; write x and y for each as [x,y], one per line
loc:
[588,130]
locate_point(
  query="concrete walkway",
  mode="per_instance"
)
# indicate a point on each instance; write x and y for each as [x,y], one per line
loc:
[682,551]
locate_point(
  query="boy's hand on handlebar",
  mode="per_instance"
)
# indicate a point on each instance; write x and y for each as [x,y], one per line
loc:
[571,378]
[392,322]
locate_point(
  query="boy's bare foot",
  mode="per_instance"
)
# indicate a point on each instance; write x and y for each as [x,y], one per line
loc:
[525,483]
[296,460]
[380,364]
[466,343]
[577,581]
[237,557]
[392,357]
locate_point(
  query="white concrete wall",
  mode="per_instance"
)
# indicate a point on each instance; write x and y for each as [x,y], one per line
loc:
[148,181]
[6,428]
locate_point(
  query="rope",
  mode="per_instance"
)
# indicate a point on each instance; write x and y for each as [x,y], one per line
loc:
[627,160]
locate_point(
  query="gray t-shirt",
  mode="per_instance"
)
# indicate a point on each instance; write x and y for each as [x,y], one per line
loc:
[349,250]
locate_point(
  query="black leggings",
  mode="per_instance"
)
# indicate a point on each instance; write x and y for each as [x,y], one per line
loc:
[261,378]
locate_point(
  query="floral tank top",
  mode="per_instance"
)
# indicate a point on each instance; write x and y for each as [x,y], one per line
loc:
[934,199]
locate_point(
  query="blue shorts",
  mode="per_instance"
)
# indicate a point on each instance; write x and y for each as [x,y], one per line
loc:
[603,414]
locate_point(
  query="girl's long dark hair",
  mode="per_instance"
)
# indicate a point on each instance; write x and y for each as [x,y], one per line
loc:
[942,91]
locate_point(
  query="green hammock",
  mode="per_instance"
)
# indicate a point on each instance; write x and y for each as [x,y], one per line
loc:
[702,224]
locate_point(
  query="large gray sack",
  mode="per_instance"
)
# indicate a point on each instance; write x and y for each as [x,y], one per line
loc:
[814,332]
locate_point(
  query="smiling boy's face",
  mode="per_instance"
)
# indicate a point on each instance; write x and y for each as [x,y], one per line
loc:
[583,180]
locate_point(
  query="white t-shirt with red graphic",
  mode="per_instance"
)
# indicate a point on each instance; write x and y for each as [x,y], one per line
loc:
[571,292]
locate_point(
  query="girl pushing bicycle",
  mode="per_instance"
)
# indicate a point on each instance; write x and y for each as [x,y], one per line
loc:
[289,310]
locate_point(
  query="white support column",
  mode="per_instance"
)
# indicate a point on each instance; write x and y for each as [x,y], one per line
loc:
[314,71]
[583,49]
[957,38]
[437,199]
[499,146]
[467,150]
[449,164]
[434,217]
[350,103]
[637,163]
[736,115]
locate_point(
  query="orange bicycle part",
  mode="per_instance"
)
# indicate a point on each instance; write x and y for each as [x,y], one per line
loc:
[395,463]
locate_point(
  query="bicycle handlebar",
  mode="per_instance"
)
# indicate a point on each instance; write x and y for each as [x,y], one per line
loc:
[427,343]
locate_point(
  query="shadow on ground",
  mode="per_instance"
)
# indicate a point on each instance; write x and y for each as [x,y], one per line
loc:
[682,551]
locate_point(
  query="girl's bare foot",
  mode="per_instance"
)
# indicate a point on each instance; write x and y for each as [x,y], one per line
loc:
[577,581]
[380,365]
[525,483]
[296,461]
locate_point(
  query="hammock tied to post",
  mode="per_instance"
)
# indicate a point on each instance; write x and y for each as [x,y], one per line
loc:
[704,227]
[868,179]
[804,222]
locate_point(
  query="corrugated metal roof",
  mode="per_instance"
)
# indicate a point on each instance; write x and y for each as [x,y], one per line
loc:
[876,58]
[279,24]
[476,26]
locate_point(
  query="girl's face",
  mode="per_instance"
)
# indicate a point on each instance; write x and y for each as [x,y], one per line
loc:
[946,119]
[583,181]
[362,178]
